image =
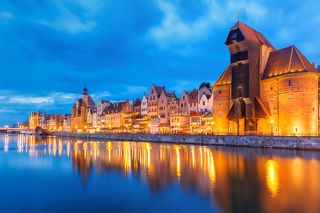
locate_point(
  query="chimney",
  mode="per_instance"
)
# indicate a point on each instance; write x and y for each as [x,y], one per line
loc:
[314,64]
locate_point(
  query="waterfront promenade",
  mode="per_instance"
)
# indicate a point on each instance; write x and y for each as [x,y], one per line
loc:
[292,142]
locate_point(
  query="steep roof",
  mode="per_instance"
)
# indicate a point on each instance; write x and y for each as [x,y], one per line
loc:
[158,89]
[137,102]
[251,34]
[225,77]
[171,95]
[90,101]
[287,60]
[114,108]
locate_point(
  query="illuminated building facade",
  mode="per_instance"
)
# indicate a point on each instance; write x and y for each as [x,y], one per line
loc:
[264,90]
[35,120]
[80,110]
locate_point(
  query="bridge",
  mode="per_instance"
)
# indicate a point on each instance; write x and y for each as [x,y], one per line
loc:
[11,130]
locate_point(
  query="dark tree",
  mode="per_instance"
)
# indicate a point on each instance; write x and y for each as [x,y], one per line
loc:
[204,84]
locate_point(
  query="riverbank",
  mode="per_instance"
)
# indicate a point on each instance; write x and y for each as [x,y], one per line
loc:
[292,142]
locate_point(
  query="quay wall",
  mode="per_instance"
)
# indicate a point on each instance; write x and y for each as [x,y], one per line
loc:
[290,142]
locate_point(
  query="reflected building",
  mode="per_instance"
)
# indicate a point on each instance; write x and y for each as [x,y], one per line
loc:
[234,179]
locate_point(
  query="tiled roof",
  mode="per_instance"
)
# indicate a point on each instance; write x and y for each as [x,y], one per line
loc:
[158,89]
[287,60]
[225,77]
[90,101]
[251,34]
[171,95]
[114,108]
[137,102]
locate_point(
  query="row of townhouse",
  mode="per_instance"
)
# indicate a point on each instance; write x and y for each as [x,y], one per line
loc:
[157,112]
[50,122]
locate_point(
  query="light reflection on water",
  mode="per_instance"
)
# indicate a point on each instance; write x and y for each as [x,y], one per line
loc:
[193,178]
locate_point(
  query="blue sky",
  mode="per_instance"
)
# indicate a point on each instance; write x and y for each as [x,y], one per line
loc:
[49,49]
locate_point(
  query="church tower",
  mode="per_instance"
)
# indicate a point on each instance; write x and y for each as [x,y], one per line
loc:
[85,95]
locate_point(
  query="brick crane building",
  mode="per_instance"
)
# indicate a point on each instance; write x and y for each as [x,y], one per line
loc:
[265,90]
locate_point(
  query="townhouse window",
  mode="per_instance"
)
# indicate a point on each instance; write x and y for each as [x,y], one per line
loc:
[181,105]
[289,82]
[219,91]
[290,96]
[203,103]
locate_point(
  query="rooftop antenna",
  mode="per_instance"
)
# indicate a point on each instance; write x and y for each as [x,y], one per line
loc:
[238,16]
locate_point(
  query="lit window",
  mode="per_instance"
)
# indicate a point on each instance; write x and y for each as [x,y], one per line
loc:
[290,96]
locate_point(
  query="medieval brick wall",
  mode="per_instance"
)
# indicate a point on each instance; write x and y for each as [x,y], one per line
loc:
[293,103]
[221,106]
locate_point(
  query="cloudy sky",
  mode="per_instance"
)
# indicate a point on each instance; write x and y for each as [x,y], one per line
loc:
[49,49]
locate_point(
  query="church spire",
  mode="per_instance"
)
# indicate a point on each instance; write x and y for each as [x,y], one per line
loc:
[85,90]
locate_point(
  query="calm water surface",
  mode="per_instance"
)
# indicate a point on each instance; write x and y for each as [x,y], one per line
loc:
[63,175]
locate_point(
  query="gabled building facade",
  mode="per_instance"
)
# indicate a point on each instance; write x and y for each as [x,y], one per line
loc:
[80,110]
[193,101]
[184,103]
[153,98]
[205,103]
[144,105]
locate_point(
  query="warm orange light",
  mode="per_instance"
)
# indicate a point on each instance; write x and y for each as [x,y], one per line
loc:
[272,177]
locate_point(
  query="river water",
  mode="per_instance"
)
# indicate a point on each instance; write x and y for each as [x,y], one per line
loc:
[66,175]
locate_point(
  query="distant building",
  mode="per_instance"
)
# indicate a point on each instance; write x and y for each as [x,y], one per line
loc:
[66,123]
[193,101]
[184,103]
[35,120]
[173,104]
[115,115]
[179,123]
[144,105]
[203,91]
[136,105]
[205,103]
[153,97]
[80,111]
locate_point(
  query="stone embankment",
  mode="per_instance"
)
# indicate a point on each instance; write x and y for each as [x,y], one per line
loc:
[296,143]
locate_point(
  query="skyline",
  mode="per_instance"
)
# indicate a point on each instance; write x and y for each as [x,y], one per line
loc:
[59,47]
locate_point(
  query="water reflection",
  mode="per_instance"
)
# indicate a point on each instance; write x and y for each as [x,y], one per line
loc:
[234,179]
